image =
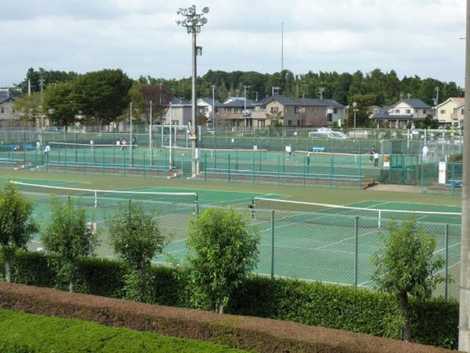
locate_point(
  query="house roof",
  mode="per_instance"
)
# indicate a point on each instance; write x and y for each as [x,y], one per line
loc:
[459,101]
[415,103]
[208,100]
[315,102]
[238,103]
[285,101]
[303,102]
[5,96]
[381,113]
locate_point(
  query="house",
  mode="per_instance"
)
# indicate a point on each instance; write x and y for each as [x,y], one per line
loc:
[403,114]
[450,113]
[206,106]
[179,112]
[283,111]
[8,115]
[236,112]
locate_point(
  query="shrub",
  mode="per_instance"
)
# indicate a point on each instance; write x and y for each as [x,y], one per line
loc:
[68,238]
[222,252]
[254,334]
[406,266]
[137,240]
[16,225]
[434,322]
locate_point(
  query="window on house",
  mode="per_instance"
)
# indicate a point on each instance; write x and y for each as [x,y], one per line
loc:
[425,111]
[274,110]
[2,110]
[329,117]
[408,111]
[443,111]
[397,111]
[289,122]
[335,110]
[462,112]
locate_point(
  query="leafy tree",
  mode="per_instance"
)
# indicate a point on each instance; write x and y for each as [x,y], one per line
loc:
[68,238]
[362,114]
[49,77]
[137,239]
[406,267]
[16,225]
[102,95]
[29,107]
[60,104]
[222,251]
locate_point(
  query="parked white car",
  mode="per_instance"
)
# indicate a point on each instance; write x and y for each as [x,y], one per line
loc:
[327,133]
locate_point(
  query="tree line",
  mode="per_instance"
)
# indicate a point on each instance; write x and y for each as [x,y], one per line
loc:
[103,96]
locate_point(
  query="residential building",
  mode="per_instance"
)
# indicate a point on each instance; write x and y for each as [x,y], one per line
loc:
[281,110]
[403,114]
[8,115]
[179,112]
[450,113]
[205,108]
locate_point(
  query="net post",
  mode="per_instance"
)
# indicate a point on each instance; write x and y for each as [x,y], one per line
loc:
[273,216]
[356,251]
[379,220]
[446,240]
[96,199]
[253,208]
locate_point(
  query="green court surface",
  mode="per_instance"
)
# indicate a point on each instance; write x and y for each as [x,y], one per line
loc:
[321,245]
[225,164]
[310,242]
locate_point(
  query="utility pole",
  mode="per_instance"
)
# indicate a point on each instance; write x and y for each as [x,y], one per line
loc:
[464,321]
[355,112]
[193,22]
[213,107]
[151,132]
[130,134]
[41,85]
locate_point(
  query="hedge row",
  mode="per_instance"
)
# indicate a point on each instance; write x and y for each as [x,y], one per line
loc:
[21,333]
[356,310]
[249,333]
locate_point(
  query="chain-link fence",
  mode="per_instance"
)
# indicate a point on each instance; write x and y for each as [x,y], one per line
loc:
[232,156]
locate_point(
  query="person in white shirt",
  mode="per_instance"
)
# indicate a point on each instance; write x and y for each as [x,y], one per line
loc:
[425,152]
[376,159]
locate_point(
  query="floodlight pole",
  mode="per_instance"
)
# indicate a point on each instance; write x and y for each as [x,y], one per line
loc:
[213,107]
[151,132]
[195,164]
[193,22]
[464,320]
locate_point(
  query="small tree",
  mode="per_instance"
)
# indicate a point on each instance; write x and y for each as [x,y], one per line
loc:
[136,237]
[68,238]
[16,225]
[223,250]
[406,267]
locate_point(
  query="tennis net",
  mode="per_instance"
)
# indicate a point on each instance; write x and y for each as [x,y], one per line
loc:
[339,215]
[101,198]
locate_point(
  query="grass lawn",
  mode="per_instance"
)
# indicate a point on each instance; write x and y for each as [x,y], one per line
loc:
[38,334]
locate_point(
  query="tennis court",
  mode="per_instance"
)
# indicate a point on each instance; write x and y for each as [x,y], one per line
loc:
[303,240]
[229,164]
[318,243]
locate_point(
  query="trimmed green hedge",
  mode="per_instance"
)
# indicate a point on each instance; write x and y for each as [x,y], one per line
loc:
[26,333]
[357,310]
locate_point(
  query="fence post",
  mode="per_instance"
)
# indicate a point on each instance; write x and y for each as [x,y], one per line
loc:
[272,243]
[356,251]
[229,176]
[446,288]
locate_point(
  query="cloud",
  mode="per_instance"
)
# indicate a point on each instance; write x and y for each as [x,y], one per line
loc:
[141,36]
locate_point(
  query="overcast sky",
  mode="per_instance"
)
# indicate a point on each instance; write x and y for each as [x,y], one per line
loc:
[141,37]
